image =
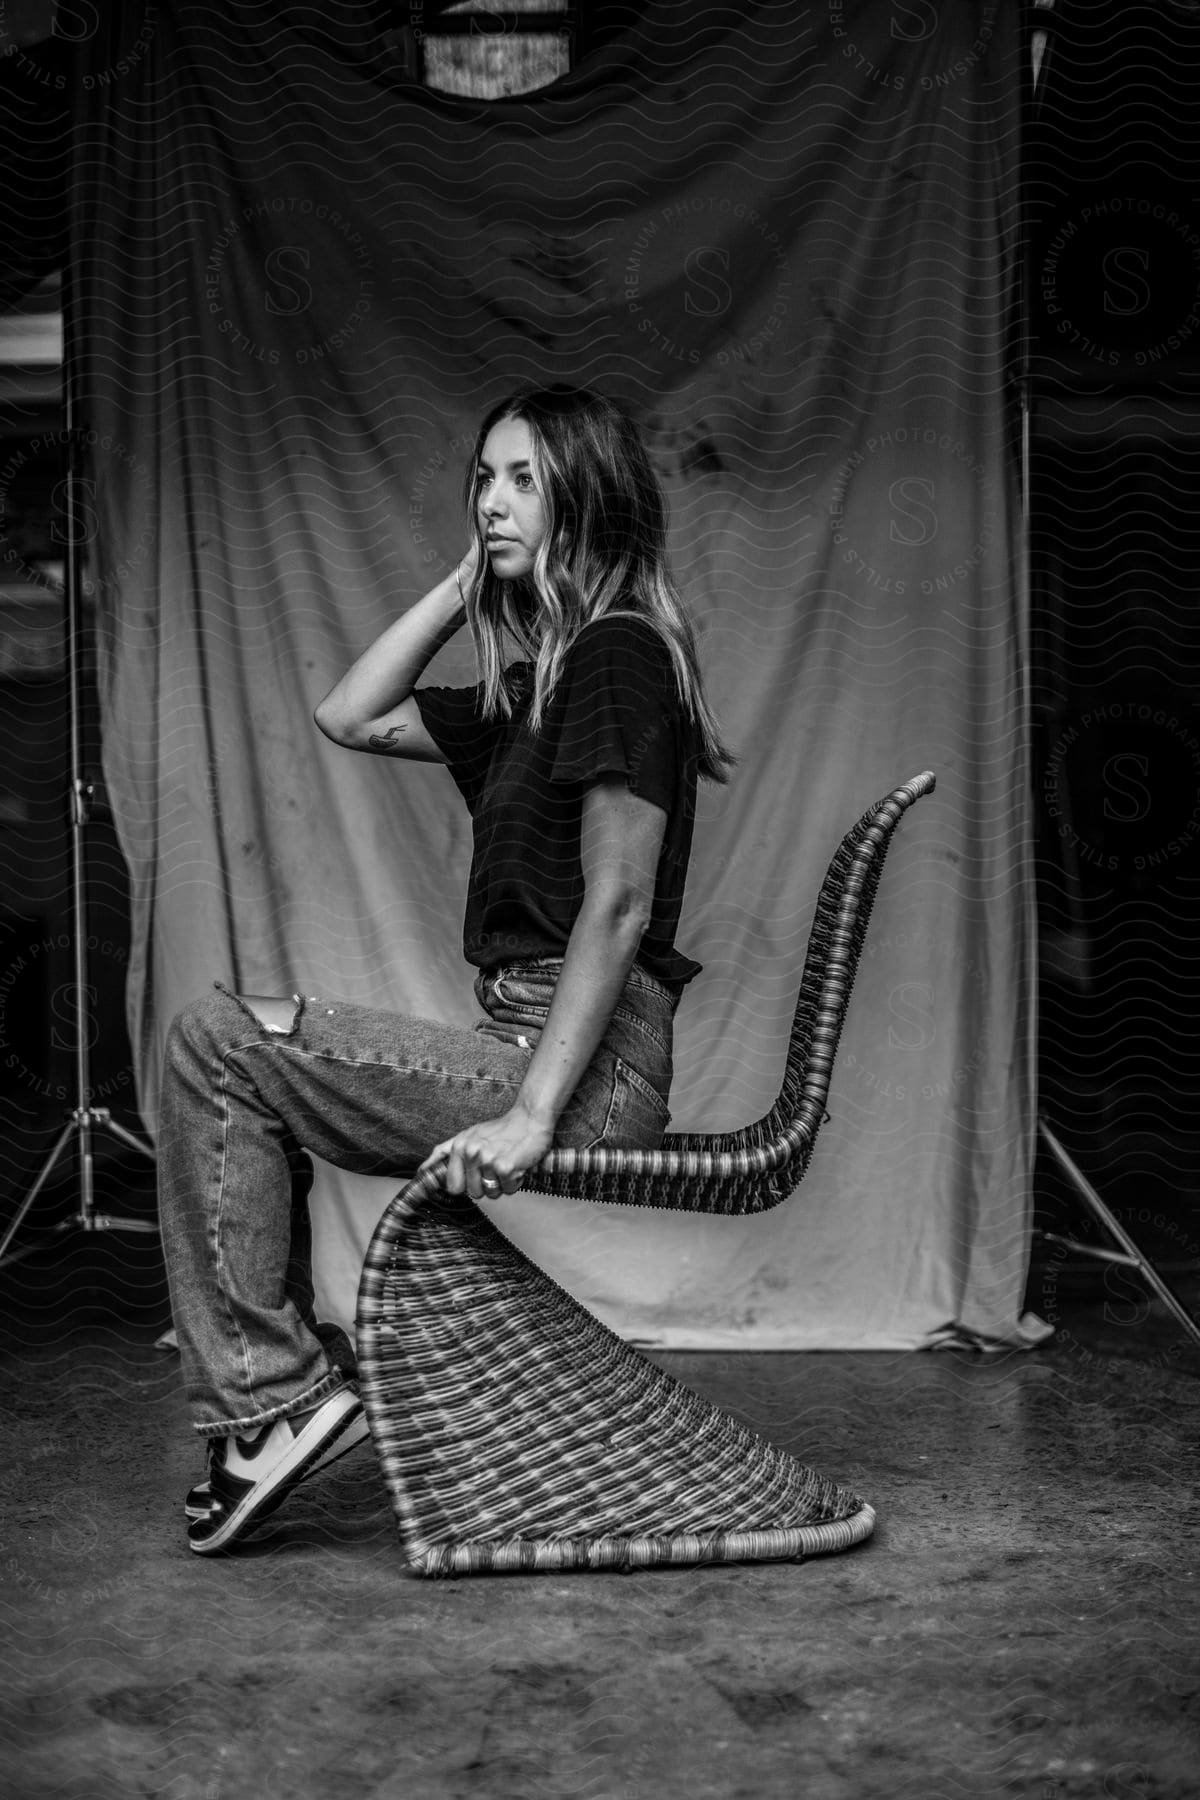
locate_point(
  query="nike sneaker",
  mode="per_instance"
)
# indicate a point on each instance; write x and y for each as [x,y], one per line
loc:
[199,1499]
[248,1477]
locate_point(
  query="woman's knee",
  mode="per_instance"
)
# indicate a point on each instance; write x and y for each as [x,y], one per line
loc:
[202,1028]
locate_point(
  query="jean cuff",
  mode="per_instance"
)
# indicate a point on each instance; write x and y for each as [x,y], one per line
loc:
[320,1390]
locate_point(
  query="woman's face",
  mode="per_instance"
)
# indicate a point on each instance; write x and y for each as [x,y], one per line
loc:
[511,515]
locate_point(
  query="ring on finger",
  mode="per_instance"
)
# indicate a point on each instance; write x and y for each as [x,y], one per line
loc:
[490,1185]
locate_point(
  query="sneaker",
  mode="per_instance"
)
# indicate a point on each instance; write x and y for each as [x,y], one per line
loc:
[199,1500]
[249,1476]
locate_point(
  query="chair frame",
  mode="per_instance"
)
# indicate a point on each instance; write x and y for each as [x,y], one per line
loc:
[494,1398]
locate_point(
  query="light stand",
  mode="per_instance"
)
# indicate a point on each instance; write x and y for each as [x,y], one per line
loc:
[1129,1256]
[84,1119]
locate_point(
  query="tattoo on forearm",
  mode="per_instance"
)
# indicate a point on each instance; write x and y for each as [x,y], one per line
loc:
[387,739]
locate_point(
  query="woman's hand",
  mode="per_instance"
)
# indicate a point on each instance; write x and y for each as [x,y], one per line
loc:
[492,1158]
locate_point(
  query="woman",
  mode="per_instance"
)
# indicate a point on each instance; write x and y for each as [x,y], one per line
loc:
[578,763]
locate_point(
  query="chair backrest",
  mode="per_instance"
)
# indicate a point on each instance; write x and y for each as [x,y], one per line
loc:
[835,941]
[749,1170]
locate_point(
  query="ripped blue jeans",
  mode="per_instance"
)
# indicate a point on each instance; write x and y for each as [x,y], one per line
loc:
[243,1104]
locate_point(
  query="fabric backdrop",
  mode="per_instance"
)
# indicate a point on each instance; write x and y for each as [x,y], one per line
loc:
[785,236]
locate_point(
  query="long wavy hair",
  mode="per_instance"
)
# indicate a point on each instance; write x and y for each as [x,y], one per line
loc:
[603,555]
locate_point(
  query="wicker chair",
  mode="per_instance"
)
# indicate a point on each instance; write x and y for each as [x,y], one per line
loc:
[515,1431]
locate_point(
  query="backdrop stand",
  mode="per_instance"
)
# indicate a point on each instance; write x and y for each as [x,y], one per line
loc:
[84,1119]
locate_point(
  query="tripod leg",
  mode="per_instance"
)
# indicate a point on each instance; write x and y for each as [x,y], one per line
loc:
[128,1137]
[35,1190]
[1133,1256]
[98,1118]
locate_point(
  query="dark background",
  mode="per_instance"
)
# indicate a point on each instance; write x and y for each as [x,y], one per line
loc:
[1113,238]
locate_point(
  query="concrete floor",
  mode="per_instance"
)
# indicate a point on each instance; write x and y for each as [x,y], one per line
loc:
[1022,1623]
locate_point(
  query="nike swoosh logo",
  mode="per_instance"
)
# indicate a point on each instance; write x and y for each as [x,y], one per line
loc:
[248,1451]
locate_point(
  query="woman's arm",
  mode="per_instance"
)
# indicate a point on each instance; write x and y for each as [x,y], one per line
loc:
[371,707]
[620,842]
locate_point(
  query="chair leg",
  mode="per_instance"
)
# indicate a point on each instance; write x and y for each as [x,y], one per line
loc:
[517,1432]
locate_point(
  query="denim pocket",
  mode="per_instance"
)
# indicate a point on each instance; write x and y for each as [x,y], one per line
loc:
[613,1106]
[638,1115]
[519,996]
[516,999]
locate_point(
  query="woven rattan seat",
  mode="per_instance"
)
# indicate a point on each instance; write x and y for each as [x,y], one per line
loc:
[515,1431]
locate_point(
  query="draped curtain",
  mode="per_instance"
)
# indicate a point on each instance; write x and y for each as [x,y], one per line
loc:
[785,236]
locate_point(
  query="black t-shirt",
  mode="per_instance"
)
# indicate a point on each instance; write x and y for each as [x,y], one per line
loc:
[615,710]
